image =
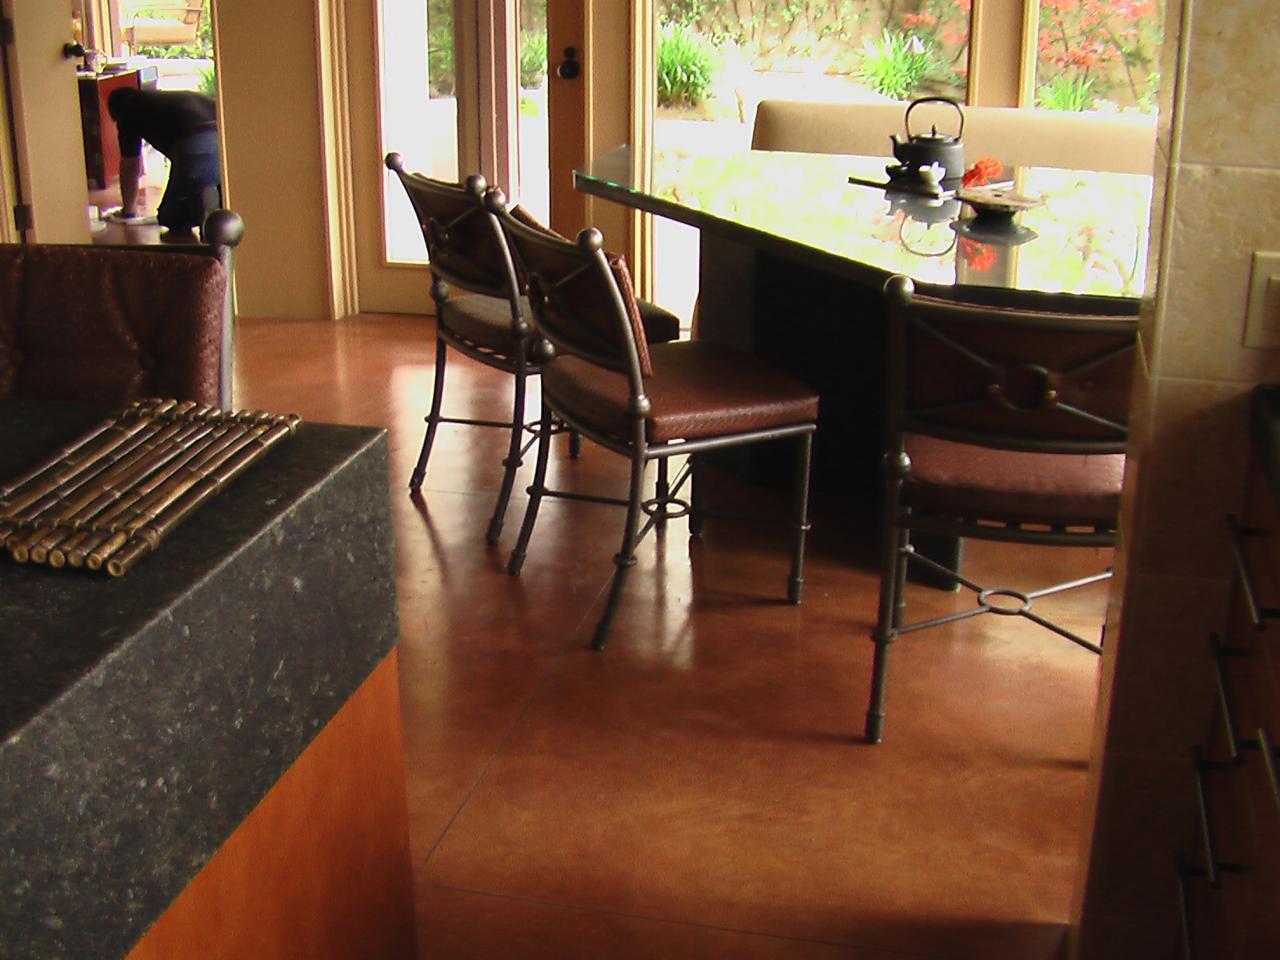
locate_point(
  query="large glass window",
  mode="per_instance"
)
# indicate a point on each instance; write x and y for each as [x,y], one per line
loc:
[1099,55]
[717,59]
[419,109]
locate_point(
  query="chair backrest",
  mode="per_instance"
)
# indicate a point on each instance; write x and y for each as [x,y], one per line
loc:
[110,325]
[1015,137]
[220,234]
[582,299]
[465,245]
[1031,378]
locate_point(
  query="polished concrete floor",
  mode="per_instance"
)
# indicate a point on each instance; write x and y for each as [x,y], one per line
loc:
[699,789]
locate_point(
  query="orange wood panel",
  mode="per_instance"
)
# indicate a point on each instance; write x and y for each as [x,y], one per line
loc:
[320,869]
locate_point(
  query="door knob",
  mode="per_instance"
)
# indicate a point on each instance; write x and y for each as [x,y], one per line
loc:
[570,68]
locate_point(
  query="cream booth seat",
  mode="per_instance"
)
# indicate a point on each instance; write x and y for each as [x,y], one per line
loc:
[1017,138]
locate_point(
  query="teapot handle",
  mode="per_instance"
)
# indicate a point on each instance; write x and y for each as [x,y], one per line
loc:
[915,103]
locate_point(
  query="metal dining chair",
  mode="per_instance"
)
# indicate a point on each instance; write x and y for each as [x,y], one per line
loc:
[1005,423]
[487,318]
[646,402]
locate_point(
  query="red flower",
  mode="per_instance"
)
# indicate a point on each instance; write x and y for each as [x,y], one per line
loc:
[982,169]
[979,256]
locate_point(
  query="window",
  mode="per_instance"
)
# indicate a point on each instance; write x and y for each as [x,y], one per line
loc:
[1098,55]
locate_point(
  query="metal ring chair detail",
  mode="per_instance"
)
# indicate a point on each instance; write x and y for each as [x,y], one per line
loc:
[647,402]
[1004,423]
[487,318]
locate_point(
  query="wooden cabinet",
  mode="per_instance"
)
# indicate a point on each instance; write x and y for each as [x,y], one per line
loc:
[101,149]
[1230,873]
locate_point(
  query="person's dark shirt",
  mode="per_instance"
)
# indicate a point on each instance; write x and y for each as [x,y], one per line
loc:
[162,118]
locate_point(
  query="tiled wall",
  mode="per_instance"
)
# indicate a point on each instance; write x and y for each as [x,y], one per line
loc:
[1218,170]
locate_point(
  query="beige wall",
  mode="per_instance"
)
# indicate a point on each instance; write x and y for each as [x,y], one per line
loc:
[1220,179]
[273,155]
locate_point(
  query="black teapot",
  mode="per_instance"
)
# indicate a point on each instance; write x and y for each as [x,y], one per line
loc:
[924,149]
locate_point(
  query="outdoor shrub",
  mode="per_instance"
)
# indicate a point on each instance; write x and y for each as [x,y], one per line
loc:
[896,65]
[533,59]
[1099,50]
[440,73]
[1072,92]
[200,49]
[686,65]
[207,80]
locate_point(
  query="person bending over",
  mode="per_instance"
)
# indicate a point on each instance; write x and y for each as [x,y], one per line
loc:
[183,126]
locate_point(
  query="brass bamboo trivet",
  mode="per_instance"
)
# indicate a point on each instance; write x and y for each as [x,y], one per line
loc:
[108,498]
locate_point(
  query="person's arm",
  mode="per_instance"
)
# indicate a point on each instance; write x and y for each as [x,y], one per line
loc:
[130,178]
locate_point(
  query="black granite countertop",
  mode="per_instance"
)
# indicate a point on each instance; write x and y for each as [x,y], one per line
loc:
[142,718]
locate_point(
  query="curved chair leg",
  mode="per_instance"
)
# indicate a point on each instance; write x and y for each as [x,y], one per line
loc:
[512,461]
[795,585]
[536,490]
[433,418]
[696,516]
[663,491]
[626,556]
[895,548]
[886,631]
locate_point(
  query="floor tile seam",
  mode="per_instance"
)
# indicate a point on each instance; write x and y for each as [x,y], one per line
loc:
[548,672]
[598,911]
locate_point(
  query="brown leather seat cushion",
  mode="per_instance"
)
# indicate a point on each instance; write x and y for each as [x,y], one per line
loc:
[698,389]
[978,483]
[486,321]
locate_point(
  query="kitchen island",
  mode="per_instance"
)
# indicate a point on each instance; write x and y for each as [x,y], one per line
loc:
[203,757]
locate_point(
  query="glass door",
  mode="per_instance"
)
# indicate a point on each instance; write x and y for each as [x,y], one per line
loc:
[455,87]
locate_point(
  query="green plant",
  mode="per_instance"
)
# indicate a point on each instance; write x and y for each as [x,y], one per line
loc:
[533,59]
[199,49]
[1069,92]
[896,64]
[441,78]
[207,80]
[686,65]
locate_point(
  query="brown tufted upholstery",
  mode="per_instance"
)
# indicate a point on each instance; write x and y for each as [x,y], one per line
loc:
[109,325]
[646,402]
[1007,422]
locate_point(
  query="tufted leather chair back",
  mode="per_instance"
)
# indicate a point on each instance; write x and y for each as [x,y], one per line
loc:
[464,243]
[1011,378]
[110,325]
[582,298]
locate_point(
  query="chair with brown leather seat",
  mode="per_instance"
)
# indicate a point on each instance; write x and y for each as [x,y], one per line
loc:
[109,324]
[487,320]
[1004,423]
[645,402]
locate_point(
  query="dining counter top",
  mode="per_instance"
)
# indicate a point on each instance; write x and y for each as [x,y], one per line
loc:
[142,718]
[1091,231]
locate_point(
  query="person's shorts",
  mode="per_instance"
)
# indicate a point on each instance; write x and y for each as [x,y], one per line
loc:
[194,189]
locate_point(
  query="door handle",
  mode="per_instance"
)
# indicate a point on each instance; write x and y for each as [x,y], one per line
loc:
[72,50]
[570,68]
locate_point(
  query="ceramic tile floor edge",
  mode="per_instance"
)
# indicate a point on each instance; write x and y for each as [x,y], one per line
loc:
[575,636]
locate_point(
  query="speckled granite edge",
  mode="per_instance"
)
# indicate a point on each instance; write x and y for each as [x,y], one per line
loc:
[115,795]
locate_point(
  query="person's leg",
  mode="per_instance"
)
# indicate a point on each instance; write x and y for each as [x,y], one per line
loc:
[193,190]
